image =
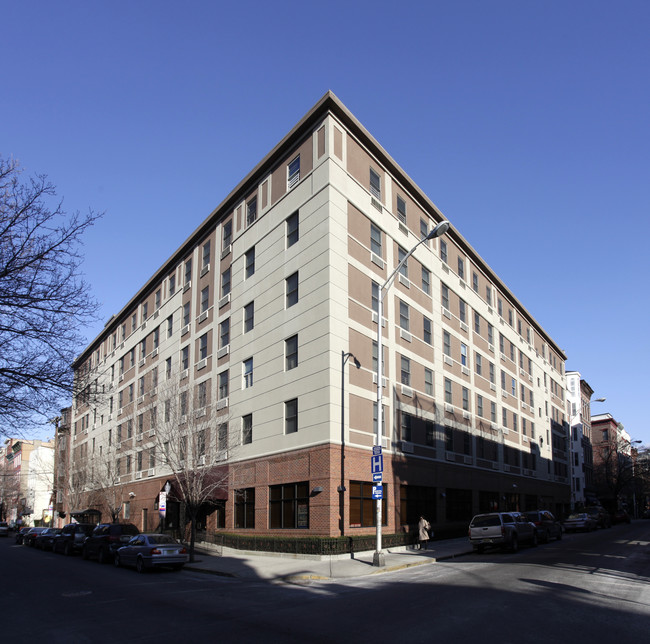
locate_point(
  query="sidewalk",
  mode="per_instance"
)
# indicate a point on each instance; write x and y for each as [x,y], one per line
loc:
[253,565]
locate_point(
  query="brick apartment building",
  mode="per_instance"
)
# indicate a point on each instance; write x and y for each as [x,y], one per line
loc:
[253,317]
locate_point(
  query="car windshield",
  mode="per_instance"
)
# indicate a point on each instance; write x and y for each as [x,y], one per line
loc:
[486,521]
[161,538]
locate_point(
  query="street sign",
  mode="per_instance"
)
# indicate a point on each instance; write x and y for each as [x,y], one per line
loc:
[377,492]
[162,503]
[377,477]
[376,449]
[376,464]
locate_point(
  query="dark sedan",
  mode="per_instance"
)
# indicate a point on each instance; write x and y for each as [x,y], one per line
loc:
[151,551]
[29,537]
[43,541]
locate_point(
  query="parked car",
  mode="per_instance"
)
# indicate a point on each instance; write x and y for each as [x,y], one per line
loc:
[105,539]
[601,516]
[580,521]
[146,551]
[4,529]
[620,516]
[547,525]
[43,541]
[501,529]
[30,536]
[71,538]
[21,534]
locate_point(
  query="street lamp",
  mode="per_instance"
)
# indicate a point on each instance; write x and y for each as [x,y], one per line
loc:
[341,488]
[378,558]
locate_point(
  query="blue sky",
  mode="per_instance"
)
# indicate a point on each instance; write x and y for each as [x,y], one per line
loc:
[526,122]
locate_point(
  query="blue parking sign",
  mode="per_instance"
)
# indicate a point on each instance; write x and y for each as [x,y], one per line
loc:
[377,492]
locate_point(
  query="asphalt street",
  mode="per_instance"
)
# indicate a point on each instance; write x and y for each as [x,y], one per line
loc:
[586,588]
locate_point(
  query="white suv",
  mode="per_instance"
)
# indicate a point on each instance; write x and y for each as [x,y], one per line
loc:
[501,530]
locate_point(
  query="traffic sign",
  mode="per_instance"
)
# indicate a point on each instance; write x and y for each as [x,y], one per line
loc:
[377,477]
[376,449]
[376,463]
[377,491]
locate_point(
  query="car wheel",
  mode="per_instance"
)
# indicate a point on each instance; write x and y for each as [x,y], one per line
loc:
[102,556]
[139,565]
[514,544]
[116,562]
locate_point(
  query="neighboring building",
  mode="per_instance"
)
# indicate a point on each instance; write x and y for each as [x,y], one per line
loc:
[250,318]
[27,480]
[613,464]
[579,417]
[61,494]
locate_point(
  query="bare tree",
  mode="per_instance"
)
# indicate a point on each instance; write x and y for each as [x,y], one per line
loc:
[195,441]
[44,302]
[108,491]
[613,469]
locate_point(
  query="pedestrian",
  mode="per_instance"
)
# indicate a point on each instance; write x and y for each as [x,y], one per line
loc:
[423,532]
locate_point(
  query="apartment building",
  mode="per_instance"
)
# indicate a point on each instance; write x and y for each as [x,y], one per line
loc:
[579,393]
[257,323]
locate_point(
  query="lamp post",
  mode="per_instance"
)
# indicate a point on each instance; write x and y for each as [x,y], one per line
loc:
[378,558]
[341,489]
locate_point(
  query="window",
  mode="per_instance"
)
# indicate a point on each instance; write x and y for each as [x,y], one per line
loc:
[401,209]
[293,233]
[227,234]
[205,299]
[185,357]
[443,251]
[478,364]
[141,386]
[186,313]
[170,325]
[477,323]
[503,380]
[461,268]
[203,346]
[157,299]
[205,259]
[430,433]
[475,282]
[183,403]
[513,386]
[224,333]
[251,211]
[375,240]
[405,427]
[448,392]
[375,297]
[172,284]
[291,352]
[444,292]
[249,317]
[245,508]
[401,254]
[490,333]
[292,290]
[248,373]
[223,385]
[247,429]
[362,505]
[168,368]
[424,230]
[427,330]
[488,295]
[428,382]
[446,343]
[426,280]
[479,406]
[504,418]
[462,311]
[250,262]
[145,311]
[493,411]
[225,282]
[374,419]
[291,416]
[463,354]
[131,392]
[289,505]
[222,437]
[375,184]
[465,398]
[404,315]
[500,307]
[188,271]
[405,371]
[293,173]
[491,370]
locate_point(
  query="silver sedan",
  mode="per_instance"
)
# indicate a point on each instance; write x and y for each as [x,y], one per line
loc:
[151,551]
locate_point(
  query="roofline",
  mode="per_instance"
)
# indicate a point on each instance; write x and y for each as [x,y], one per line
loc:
[328,103]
